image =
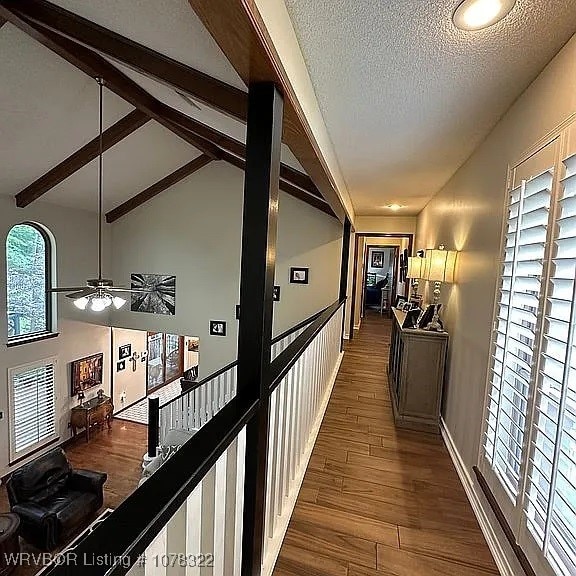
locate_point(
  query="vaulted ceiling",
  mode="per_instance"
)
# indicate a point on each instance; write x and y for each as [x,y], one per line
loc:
[406,96]
[49,107]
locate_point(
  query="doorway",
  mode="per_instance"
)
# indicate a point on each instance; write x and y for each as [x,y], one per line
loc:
[363,243]
[379,280]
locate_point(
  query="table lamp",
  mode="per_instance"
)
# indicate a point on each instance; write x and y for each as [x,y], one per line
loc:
[416,269]
[440,268]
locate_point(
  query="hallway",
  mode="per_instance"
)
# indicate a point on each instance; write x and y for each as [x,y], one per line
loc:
[377,501]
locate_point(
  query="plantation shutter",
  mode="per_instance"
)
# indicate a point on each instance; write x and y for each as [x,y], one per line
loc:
[551,487]
[516,328]
[33,406]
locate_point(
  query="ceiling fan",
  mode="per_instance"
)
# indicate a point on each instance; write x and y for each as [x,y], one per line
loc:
[98,293]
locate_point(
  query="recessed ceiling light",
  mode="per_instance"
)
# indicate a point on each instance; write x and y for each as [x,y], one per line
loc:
[395,207]
[478,14]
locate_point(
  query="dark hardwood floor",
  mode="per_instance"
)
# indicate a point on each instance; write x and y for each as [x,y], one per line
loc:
[376,500]
[117,451]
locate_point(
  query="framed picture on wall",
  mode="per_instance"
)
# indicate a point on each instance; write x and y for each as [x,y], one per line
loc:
[377,260]
[299,275]
[125,351]
[87,373]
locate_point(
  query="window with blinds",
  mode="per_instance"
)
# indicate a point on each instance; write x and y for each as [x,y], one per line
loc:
[32,406]
[529,442]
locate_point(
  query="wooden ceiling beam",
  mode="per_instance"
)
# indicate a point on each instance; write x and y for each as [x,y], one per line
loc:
[158,188]
[237,27]
[212,143]
[285,186]
[215,93]
[287,173]
[96,66]
[117,132]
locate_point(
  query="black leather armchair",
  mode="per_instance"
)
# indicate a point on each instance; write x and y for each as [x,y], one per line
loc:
[52,500]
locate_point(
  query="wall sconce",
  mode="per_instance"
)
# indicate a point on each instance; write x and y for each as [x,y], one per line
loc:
[416,270]
[440,268]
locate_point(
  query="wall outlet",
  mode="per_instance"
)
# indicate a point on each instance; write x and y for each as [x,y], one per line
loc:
[123,397]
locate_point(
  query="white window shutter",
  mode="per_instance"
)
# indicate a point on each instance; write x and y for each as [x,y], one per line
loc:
[32,406]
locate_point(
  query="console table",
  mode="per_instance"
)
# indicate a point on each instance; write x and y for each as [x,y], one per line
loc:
[416,375]
[94,412]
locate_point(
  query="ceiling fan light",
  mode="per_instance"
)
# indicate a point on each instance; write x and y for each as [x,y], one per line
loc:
[100,303]
[81,303]
[118,302]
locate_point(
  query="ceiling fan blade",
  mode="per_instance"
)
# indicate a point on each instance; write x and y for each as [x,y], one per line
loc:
[83,293]
[134,290]
[71,289]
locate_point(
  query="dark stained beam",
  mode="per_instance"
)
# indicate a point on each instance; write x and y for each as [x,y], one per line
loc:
[287,173]
[209,141]
[86,154]
[158,188]
[199,85]
[287,187]
[237,27]
[96,66]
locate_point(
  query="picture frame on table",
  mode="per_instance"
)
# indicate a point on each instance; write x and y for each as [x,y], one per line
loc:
[399,302]
[427,315]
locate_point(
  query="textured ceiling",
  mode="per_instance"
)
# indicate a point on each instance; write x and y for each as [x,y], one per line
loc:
[406,96]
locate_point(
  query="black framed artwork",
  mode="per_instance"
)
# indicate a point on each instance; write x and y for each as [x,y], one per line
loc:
[120,365]
[377,260]
[299,275]
[276,294]
[217,328]
[125,351]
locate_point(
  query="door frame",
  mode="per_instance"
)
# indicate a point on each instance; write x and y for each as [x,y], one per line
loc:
[357,236]
[395,251]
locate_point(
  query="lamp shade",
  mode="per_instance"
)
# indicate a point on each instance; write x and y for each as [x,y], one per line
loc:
[440,265]
[416,267]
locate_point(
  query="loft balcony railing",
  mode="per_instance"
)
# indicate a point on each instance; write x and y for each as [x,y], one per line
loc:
[187,518]
[198,404]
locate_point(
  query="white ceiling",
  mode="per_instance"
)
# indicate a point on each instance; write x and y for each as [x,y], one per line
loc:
[406,96]
[49,109]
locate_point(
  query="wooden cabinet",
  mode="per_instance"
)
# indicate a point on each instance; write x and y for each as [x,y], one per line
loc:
[96,411]
[416,375]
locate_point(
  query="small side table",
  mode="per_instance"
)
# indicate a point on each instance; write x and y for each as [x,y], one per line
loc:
[96,411]
[9,543]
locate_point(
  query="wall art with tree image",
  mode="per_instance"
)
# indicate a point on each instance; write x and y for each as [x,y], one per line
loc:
[159,296]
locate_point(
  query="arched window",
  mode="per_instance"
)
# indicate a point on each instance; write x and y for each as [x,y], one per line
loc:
[29,275]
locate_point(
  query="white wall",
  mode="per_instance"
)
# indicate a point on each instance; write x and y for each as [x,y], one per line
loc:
[467,215]
[193,231]
[76,250]
[310,239]
[128,382]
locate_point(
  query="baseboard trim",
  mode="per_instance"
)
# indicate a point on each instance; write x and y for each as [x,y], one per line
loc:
[276,544]
[475,499]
